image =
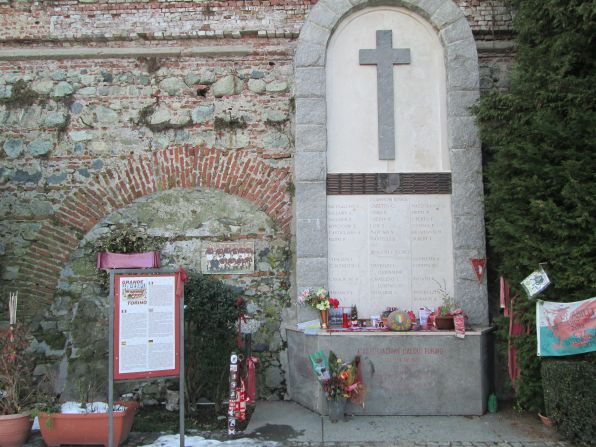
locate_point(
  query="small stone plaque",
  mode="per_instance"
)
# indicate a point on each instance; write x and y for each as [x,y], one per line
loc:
[227,258]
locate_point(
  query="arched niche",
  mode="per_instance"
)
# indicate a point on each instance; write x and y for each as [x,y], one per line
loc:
[462,150]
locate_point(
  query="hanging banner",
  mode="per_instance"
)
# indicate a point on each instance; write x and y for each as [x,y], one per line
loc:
[566,328]
[146,325]
[479,266]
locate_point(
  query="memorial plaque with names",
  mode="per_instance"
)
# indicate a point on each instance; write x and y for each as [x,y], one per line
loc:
[389,250]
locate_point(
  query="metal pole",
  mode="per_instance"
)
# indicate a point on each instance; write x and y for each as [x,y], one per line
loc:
[111,364]
[181,385]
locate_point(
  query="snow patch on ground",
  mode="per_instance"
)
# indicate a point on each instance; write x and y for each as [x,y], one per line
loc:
[90,407]
[198,441]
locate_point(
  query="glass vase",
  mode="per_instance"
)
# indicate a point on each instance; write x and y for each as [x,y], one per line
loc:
[336,409]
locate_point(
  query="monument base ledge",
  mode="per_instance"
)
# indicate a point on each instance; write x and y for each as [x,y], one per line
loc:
[405,373]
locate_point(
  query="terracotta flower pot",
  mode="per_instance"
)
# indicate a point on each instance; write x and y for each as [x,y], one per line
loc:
[14,429]
[444,323]
[545,420]
[86,429]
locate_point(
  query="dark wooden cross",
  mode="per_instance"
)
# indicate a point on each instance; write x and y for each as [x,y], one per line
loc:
[384,57]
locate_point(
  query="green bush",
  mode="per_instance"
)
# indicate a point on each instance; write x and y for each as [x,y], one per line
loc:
[539,144]
[211,312]
[570,397]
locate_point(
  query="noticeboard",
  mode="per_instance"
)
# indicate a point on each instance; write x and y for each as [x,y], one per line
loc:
[146,326]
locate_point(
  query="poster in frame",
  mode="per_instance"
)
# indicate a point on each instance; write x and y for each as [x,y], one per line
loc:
[146,326]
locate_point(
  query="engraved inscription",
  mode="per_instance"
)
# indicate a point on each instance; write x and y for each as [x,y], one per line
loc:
[389,250]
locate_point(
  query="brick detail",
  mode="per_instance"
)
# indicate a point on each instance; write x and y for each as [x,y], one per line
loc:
[138,20]
[236,172]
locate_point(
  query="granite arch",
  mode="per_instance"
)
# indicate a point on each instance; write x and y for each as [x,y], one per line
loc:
[461,64]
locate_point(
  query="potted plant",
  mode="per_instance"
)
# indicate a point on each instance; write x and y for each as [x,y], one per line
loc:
[320,300]
[16,382]
[443,318]
[85,422]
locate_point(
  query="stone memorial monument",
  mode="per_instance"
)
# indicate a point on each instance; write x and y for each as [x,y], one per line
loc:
[389,196]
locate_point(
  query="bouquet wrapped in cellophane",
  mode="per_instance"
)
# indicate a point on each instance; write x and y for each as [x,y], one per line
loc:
[340,380]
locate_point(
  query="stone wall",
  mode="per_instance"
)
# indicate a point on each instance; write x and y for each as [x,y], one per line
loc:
[73,332]
[109,108]
[61,20]
[84,139]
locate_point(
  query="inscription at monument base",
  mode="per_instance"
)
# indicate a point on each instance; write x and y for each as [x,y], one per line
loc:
[389,250]
[411,373]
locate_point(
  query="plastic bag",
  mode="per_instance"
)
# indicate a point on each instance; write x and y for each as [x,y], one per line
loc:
[320,366]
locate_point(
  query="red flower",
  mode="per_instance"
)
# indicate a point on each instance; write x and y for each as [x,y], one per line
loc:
[334,303]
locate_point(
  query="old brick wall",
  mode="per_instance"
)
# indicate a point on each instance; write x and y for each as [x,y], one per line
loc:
[61,20]
[98,135]
[107,103]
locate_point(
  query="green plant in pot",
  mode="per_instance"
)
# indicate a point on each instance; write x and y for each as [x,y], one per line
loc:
[17,387]
[445,312]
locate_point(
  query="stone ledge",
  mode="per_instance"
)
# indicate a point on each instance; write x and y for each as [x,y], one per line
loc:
[489,46]
[106,53]
[474,330]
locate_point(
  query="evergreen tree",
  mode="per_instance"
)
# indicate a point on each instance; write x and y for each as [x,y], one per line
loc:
[540,164]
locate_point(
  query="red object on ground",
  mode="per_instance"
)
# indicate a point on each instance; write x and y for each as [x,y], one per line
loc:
[146,260]
[251,380]
[86,429]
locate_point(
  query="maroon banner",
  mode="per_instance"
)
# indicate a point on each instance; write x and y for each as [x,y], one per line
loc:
[146,260]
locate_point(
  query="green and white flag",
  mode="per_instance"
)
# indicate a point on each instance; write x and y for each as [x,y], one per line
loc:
[566,328]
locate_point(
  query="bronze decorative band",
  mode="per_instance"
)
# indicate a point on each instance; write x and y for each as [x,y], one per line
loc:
[406,183]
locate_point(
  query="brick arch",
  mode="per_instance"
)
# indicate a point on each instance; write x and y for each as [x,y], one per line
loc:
[238,173]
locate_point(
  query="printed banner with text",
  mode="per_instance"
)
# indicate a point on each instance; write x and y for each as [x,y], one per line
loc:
[566,328]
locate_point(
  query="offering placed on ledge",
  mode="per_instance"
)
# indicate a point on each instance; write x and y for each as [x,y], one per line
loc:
[399,321]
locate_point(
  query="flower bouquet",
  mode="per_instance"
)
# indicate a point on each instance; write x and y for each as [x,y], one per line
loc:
[320,300]
[341,381]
